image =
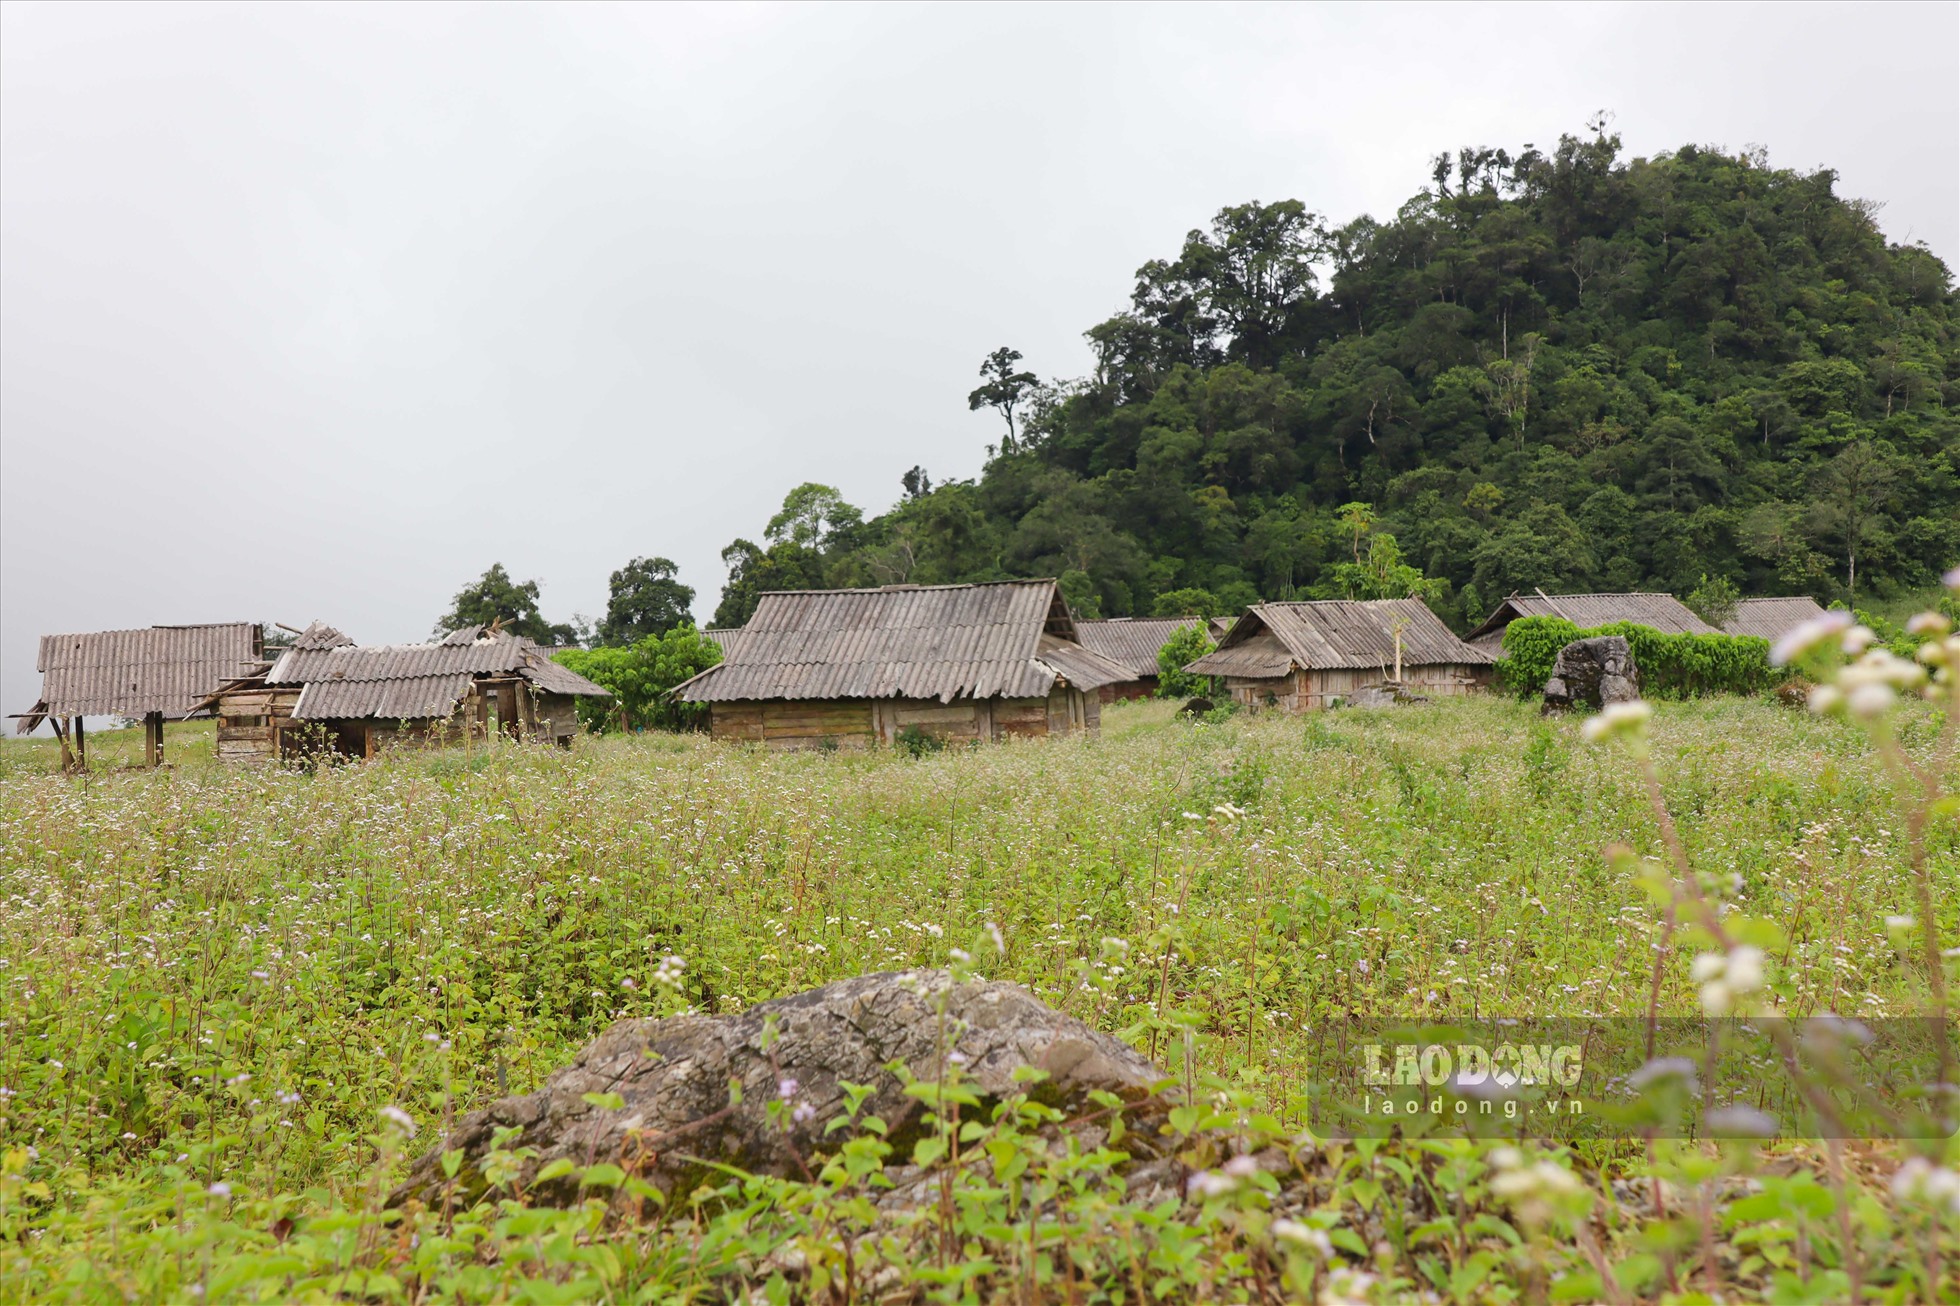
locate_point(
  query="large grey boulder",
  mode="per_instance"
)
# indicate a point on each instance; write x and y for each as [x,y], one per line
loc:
[674,1074]
[1594,673]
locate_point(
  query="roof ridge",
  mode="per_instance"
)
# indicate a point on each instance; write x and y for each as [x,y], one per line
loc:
[908,589]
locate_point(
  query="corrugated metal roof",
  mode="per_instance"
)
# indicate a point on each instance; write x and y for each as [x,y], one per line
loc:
[556,679]
[406,698]
[409,681]
[166,669]
[298,666]
[1772,619]
[1662,612]
[926,641]
[1131,641]
[1337,633]
[1081,667]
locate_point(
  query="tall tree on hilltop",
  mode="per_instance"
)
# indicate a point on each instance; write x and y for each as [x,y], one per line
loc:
[495,598]
[1003,388]
[646,599]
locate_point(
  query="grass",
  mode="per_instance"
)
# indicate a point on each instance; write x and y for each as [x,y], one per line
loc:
[218,977]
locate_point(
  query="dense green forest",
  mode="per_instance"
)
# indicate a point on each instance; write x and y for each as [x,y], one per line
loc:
[1561,369]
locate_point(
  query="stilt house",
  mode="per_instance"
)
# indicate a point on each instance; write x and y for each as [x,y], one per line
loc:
[1133,643]
[326,694]
[1302,656]
[153,675]
[857,667]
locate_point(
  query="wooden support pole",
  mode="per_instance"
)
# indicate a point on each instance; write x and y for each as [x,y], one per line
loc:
[81,744]
[153,738]
[60,725]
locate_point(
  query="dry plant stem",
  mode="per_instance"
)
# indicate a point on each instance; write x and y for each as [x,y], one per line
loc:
[1597,1255]
[1918,814]
[1854,1264]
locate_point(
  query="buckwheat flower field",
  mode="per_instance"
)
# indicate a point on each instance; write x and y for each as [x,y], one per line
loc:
[234,1003]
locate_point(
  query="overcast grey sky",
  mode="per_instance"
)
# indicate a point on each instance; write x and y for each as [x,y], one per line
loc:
[318,311]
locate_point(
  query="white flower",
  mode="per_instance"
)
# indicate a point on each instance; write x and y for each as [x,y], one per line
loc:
[1919,1180]
[1206,1183]
[1741,1121]
[400,1119]
[1899,922]
[1808,636]
[999,942]
[1663,1068]
[1543,1179]
[1869,702]
[1825,699]
[1952,580]
[1616,720]
[1745,973]
[1857,640]
[220,1189]
[1928,623]
[1724,978]
[1242,1167]
[1304,1236]
[787,1089]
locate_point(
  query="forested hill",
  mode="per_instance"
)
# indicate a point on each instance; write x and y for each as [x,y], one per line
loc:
[1560,369]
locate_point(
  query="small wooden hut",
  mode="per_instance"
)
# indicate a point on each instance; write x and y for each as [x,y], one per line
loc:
[1302,656]
[1771,619]
[858,667]
[1662,612]
[1132,643]
[158,674]
[326,694]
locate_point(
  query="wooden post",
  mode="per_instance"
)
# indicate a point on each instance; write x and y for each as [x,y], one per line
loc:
[81,744]
[153,739]
[61,732]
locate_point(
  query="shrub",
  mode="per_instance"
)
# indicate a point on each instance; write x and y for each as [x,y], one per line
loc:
[1186,644]
[916,742]
[1671,666]
[642,677]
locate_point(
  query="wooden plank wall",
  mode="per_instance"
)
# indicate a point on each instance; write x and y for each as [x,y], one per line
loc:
[859,723]
[1307,691]
[250,721]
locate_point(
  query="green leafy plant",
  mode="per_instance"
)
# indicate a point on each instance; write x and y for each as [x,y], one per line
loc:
[1670,666]
[1186,645]
[642,677]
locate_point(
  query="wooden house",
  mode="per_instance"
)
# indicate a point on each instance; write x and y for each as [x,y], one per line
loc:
[1132,643]
[1771,619]
[1662,612]
[857,667]
[153,675]
[1302,656]
[327,695]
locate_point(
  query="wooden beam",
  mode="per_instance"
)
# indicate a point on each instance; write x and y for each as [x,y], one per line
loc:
[81,743]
